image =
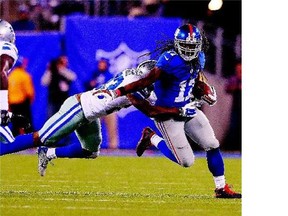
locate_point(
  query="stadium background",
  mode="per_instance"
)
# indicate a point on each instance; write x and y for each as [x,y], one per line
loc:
[84,39]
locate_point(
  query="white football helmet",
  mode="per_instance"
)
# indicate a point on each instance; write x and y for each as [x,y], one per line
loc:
[6,32]
[145,67]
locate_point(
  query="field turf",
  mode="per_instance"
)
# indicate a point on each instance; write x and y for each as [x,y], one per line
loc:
[113,185]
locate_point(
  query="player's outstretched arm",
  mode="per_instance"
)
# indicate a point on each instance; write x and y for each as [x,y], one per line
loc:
[157,111]
[150,110]
[139,84]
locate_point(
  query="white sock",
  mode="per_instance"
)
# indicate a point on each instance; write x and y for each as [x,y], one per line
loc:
[155,140]
[51,153]
[219,181]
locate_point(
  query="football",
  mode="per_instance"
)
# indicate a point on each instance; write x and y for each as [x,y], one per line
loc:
[200,89]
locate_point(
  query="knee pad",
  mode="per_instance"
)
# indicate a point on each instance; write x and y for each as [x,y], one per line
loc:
[187,162]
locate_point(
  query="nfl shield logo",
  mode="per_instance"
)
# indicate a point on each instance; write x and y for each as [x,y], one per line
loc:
[122,58]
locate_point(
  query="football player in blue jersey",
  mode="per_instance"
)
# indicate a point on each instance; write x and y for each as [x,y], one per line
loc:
[174,76]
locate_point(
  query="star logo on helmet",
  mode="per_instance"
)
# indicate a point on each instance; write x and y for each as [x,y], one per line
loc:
[122,57]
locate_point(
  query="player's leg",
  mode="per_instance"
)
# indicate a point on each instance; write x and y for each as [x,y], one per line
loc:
[9,144]
[62,123]
[90,138]
[176,140]
[149,138]
[201,132]
[175,147]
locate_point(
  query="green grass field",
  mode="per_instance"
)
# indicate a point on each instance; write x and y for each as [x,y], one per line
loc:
[111,185]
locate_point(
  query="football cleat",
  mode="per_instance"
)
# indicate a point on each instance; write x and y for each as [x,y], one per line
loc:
[144,143]
[226,192]
[43,160]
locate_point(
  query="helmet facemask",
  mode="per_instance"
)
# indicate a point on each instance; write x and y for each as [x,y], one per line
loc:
[188,42]
[188,50]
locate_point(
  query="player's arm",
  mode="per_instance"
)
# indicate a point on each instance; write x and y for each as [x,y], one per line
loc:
[154,74]
[6,62]
[158,111]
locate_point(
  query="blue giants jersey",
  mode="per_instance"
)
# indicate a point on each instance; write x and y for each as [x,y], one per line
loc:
[174,87]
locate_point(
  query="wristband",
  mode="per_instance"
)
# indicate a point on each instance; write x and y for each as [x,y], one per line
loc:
[3,99]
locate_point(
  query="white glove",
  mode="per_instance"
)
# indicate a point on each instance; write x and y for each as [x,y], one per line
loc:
[189,110]
[103,95]
[198,103]
[211,99]
[111,93]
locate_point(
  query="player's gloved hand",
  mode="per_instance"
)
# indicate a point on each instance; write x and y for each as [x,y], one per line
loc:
[103,94]
[211,99]
[20,121]
[189,110]
[111,93]
[5,117]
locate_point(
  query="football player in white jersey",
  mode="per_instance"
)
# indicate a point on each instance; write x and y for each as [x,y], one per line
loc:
[8,57]
[80,113]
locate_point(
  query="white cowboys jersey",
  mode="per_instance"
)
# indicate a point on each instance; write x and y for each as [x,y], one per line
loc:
[98,105]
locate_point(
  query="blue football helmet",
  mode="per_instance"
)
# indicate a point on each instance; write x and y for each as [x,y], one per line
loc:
[188,41]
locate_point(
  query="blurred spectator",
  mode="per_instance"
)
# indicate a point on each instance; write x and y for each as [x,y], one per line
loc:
[100,76]
[234,87]
[153,7]
[136,9]
[58,78]
[145,8]
[23,23]
[21,92]
[43,17]
[69,7]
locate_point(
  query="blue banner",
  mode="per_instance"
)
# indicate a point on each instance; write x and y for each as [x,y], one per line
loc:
[39,48]
[121,41]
